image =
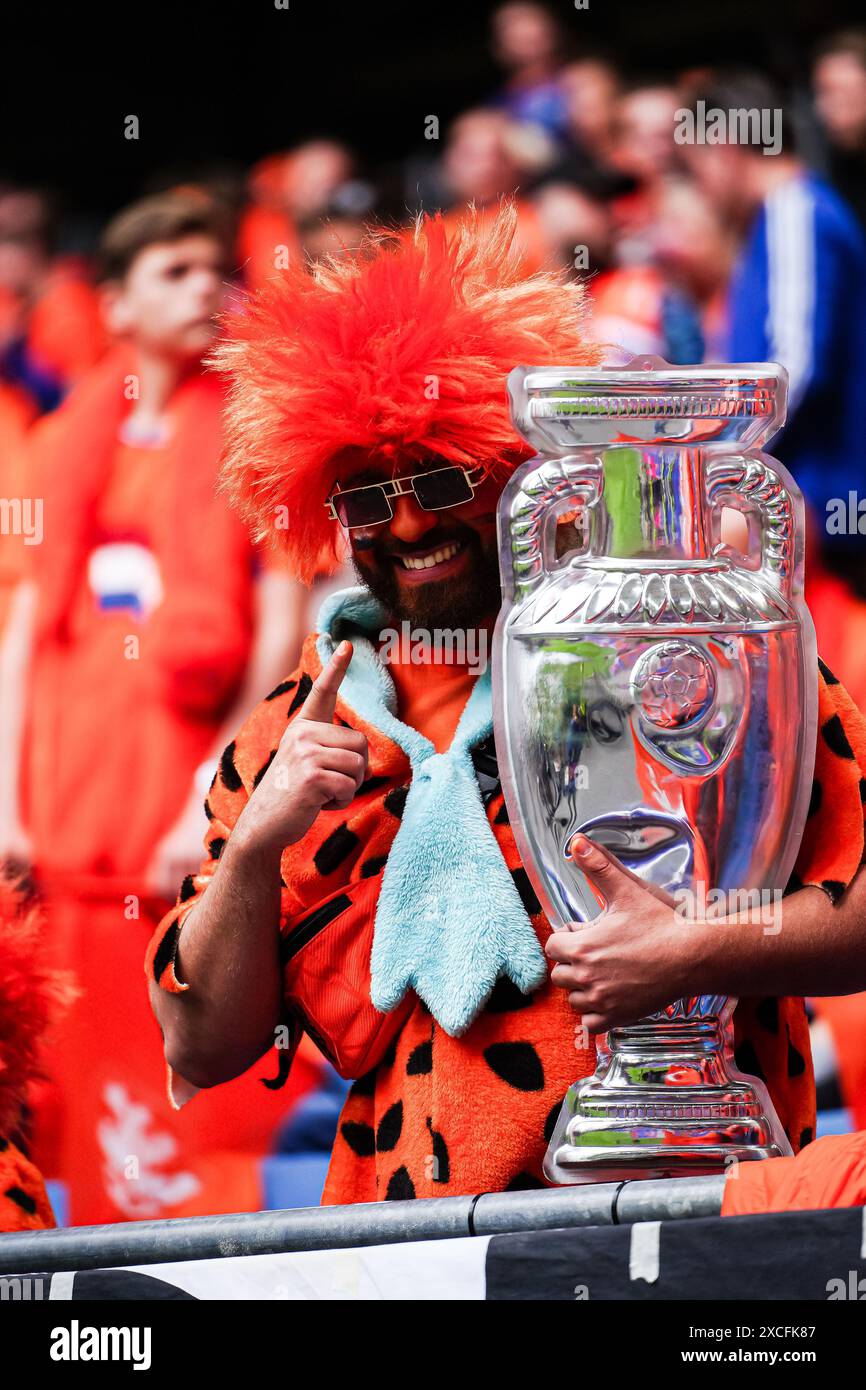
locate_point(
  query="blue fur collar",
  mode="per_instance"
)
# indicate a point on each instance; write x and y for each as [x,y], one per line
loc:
[449,920]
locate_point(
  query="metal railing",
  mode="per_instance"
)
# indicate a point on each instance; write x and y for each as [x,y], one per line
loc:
[364,1223]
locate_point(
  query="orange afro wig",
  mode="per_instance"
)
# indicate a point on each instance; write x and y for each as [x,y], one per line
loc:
[32,995]
[399,353]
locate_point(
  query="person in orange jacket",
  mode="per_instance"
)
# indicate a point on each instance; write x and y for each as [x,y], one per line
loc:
[139,648]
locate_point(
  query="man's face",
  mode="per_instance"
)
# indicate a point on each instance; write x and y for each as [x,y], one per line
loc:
[721,173]
[434,569]
[840,95]
[169,296]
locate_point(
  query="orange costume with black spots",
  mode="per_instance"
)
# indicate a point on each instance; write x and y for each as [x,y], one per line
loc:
[435,1114]
[446,1099]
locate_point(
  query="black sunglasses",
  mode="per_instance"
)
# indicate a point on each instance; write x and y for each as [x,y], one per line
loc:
[434,491]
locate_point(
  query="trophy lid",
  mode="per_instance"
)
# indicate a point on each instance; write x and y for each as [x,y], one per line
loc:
[647,400]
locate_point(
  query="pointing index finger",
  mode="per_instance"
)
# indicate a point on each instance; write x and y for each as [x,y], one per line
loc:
[321,702]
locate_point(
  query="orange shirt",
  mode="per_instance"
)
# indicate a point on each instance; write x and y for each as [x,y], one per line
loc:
[431,696]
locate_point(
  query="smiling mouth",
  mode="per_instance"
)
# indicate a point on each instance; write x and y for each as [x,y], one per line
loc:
[432,558]
[428,566]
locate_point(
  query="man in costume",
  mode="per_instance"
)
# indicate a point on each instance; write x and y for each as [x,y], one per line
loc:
[361,882]
[137,651]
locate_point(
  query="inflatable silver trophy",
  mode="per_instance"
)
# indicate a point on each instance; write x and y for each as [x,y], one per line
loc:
[655,689]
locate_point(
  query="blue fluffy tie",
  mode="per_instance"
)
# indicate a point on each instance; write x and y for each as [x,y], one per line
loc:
[450,920]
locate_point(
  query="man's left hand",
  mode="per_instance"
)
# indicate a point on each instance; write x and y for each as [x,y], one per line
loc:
[630,960]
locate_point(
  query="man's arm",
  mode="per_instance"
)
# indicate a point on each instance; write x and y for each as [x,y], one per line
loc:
[216,988]
[640,954]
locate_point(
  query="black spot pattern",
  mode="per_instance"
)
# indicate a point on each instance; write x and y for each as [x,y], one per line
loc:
[390,1128]
[747,1060]
[305,685]
[501,817]
[816,798]
[835,738]
[829,678]
[284,1066]
[834,887]
[228,772]
[524,1182]
[373,784]
[505,997]
[395,801]
[264,767]
[359,1137]
[806,1136]
[207,809]
[371,867]
[337,847]
[420,1061]
[863,789]
[526,891]
[282,689]
[365,1085]
[550,1122]
[400,1187]
[796,1061]
[21,1199]
[516,1063]
[767,1014]
[165,951]
[441,1159]
[187,889]
[216,846]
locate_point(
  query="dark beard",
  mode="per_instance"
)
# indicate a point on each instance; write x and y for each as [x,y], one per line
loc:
[462,602]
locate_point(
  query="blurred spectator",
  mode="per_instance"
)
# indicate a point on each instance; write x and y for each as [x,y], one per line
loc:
[527,40]
[481,165]
[156,629]
[798,293]
[644,150]
[674,307]
[839,81]
[591,90]
[50,327]
[575,228]
[289,191]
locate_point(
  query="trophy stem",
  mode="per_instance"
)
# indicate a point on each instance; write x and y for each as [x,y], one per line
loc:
[665,1101]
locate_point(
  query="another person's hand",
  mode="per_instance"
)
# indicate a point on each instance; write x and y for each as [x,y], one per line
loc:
[318,766]
[630,960]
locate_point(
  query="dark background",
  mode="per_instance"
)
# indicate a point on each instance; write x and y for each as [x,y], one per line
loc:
[216,84]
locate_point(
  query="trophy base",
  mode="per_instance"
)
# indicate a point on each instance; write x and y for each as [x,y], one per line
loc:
[665,1101]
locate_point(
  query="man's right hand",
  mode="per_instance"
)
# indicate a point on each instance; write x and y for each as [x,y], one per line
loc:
[319,765]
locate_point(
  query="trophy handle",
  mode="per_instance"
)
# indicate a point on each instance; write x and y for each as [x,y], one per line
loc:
[750,484]
[542,494]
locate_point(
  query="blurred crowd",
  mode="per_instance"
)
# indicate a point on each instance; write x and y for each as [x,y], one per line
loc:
[127,661]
